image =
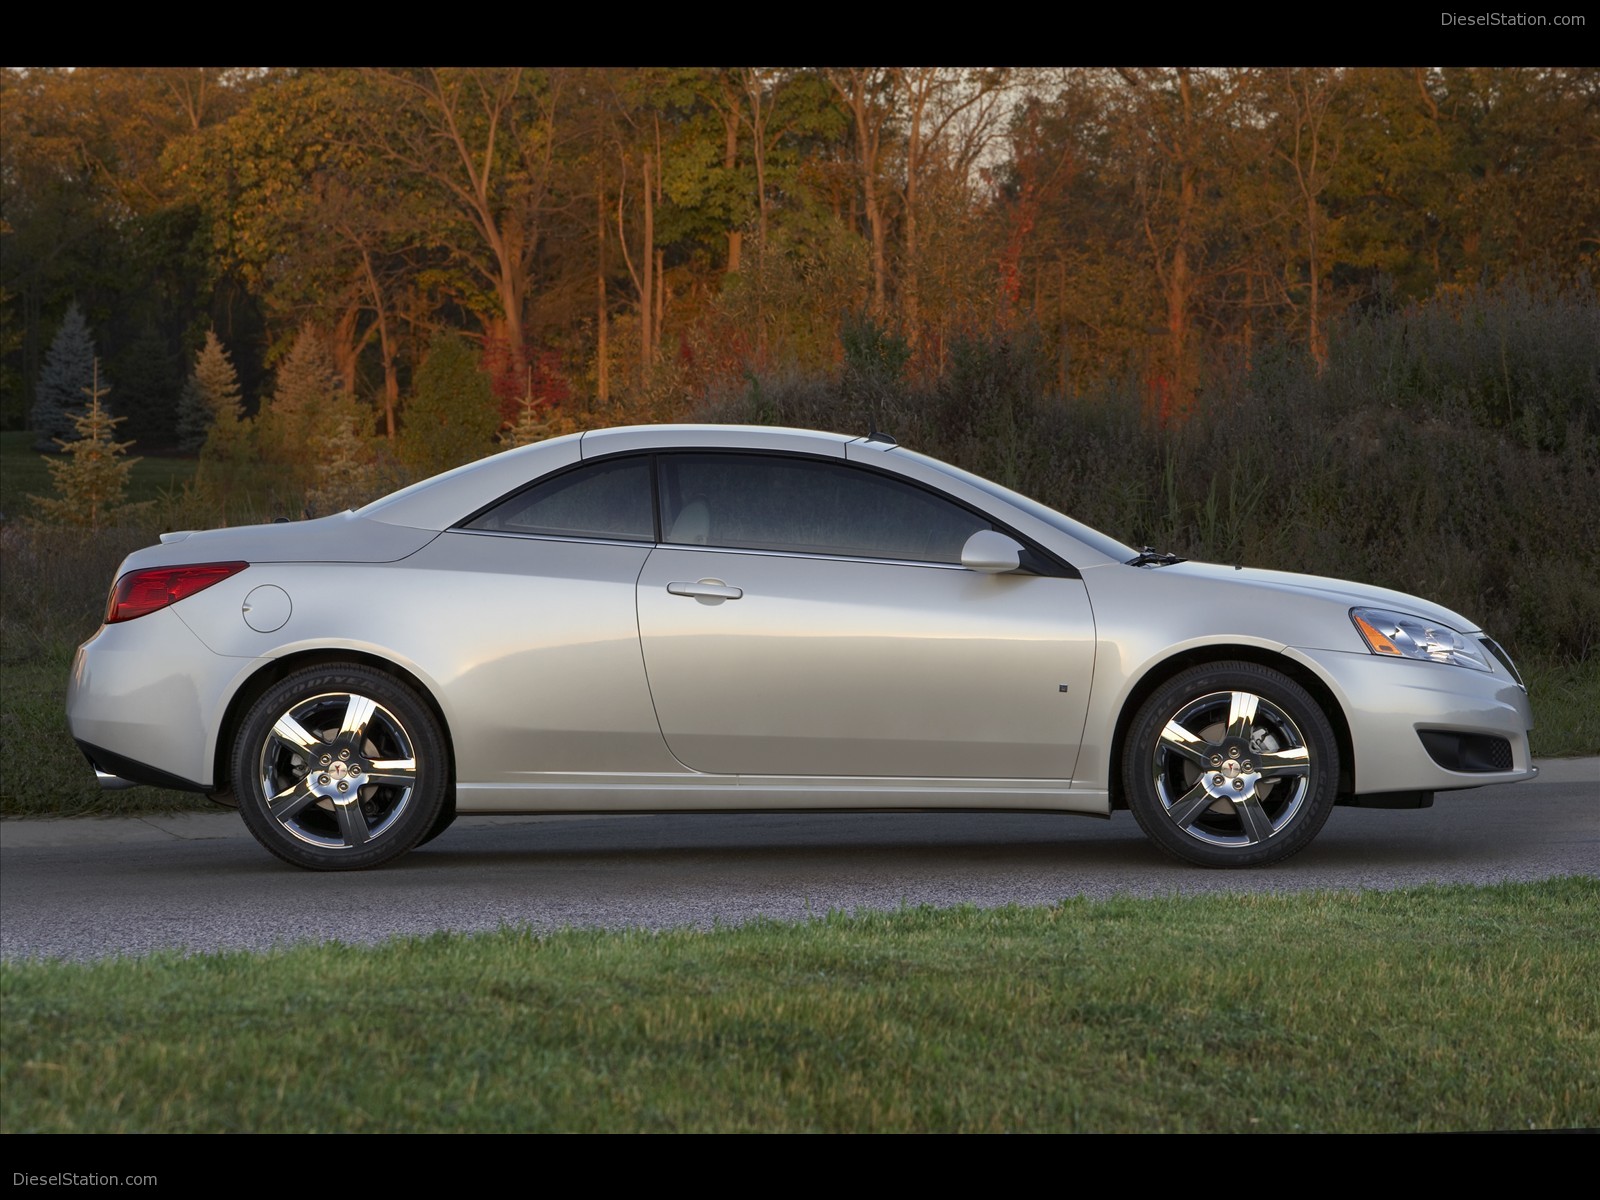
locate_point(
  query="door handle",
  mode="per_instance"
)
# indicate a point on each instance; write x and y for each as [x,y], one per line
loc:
[706,589]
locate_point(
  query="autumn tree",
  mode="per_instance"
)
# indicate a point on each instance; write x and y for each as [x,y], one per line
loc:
[95,213]
[1310,149]
[698,223]
[745,171]
[640,153]
[1460,174]
[951,118]
[485,142]
[869,95]
[311,220]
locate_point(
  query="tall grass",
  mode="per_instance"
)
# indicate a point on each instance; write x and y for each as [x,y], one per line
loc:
[53,589]
[1450,450]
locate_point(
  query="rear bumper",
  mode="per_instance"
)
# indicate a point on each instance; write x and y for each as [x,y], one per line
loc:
[144,700]
[113,771]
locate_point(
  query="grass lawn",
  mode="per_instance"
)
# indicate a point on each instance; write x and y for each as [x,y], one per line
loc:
[1435,1009]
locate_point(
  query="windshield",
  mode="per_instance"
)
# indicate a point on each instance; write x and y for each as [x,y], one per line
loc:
[1092,538]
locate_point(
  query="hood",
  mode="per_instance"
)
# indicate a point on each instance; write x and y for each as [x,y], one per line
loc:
[1336,591]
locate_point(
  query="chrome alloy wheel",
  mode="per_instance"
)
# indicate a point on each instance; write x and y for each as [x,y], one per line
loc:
[338,770]
[1231,764]
[340,766]
[1231,769]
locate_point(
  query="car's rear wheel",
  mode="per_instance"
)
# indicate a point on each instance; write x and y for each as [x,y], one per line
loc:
[445,819]
[340,767]
[1231,764]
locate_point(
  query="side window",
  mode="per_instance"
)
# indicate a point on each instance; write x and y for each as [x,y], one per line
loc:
[759,502]
[603,500]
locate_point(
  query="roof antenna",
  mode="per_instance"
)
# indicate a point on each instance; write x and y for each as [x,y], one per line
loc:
[875,434]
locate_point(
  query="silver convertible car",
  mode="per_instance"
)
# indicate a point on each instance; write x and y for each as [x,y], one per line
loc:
[695,618]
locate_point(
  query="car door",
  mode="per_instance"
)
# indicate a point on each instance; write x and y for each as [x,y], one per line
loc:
[528,616]
[806,617]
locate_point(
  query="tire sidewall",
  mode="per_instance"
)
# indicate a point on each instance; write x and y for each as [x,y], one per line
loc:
[1271,685]
[427,743]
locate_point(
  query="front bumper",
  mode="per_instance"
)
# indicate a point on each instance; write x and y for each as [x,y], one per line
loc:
[1389,703]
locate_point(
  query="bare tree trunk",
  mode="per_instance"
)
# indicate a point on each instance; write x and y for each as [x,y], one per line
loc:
[1309,107]
[919,90]
[647,288]
[1180,282]
[730,160]
[660,305]
[346,346]
[1064,352]
[602,320]
[391,376]
[1172,390]
[758,147]
[644,276]
[469,161]
[854,87]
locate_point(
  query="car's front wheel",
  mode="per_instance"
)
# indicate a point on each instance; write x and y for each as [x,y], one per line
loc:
[1231,764]
[340,767]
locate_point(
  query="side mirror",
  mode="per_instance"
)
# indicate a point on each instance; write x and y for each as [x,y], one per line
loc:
[991,552]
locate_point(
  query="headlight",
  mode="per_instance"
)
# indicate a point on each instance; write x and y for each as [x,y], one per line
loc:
[1400,635]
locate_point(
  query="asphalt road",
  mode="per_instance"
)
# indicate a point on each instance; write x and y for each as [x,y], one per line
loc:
[91,888]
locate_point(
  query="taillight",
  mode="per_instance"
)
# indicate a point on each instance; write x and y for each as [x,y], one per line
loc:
[140,592]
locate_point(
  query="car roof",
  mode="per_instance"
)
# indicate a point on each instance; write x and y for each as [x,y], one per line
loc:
[598,442]
[441,501]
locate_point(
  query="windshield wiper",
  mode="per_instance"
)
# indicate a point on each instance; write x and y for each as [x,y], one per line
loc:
[1148,556]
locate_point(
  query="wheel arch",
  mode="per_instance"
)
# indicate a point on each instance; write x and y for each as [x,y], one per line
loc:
[253,688]
[1161,671]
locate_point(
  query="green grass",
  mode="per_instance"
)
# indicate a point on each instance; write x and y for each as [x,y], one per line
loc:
[1566,707]
[42,771]
[1435,1009]
[24,473]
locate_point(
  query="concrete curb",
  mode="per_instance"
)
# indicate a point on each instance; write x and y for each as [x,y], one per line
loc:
[1569,770]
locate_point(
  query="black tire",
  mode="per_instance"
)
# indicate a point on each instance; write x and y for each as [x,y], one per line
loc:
[445,819]
[1231,764]
[340,767]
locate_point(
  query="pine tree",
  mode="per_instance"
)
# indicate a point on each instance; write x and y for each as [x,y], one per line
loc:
[229,450]
[210,395]
[149,383]
[92,478]
[530,426]
[69,369]
[453,416]
[297,417]
[347,475]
